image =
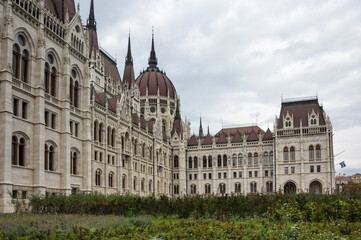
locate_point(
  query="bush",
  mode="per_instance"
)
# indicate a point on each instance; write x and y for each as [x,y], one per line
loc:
[282,207]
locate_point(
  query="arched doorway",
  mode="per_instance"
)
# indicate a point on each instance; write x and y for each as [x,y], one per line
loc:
[289,187]
[316,187]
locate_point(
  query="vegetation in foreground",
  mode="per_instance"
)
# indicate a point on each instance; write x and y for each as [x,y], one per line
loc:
[300,207]
[115,227]
[95,216]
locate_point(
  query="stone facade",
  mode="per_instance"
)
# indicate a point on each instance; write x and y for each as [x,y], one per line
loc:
[69,123]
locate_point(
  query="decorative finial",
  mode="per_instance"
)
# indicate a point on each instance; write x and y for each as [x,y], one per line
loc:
[78,8]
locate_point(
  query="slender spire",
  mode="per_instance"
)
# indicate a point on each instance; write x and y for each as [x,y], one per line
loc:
[153,61]
[208,130]
[91,20]
[129,58]
[200,127]
[177,113]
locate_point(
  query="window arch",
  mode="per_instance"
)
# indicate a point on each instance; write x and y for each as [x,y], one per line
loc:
[112,139]
[124,181]
[96,131]
[21,58]
[49,157]
[74,155]
[292,154]
[190,162]
[318,152]
[224,160]
[311,153]
[176,161]
[176,189]
[195,162]
[100,138]
[98,174]
[253,187]
[207,188]
[240,160]
[50,81]
[18,150]
[250,160]
[204,161]
[265,158]
[210,161]
[222,188]
[150,185]
[109,132]
[110,179]
[255,159]
[74,88]
[237,188]
[219,161]
[16,61]
[271,158]
[285,154]
[135,183]
[193,189]
[269,187]
[234,160]
[142,184]
[24,66]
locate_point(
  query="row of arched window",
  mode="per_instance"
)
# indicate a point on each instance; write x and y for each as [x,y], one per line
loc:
[98,133]
[237,188]
[289,153]
[18,155]
[237,160]
[98,178]
[21,68]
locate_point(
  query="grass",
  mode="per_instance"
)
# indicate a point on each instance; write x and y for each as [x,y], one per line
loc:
[29,226]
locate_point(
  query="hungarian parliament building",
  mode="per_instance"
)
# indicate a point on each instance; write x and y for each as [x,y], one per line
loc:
[71,123]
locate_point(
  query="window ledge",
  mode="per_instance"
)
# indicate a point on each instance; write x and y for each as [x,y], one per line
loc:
[22,167]
[53,172]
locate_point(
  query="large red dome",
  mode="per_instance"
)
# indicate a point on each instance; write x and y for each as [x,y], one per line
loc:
[153,80]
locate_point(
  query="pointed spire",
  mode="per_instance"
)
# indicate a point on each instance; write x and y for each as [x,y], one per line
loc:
[177,113]
[129,58]
[153,61]
[91,20]
[200,127]
[208,130]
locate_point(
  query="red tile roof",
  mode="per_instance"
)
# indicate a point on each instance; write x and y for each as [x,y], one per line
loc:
[100,98]
[111,69]
[56,7]
[135,118]
[143,123]
[252,136]
[222,138]
[343,178]
[177,127]
[93,42]
[128,75]
[241,130]
[268,135]
[300,111]
[150,126]
[154,80]
[207,140]
[112,104]
[237,137]
[193,141]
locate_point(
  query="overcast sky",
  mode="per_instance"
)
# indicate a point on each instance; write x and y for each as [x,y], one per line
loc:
[232,61]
